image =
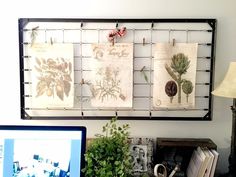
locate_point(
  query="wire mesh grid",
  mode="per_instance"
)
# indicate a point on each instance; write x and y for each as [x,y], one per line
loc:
[143,34]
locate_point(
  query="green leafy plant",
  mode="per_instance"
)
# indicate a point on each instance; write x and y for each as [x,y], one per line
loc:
[108,155]
[179,66]
[187,88]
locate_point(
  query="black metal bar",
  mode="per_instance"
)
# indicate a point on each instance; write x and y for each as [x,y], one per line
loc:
[232,156]
[164,118]
[212,23]
[106,20]
[21,24]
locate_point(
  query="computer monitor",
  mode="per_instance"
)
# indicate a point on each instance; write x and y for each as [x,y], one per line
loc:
[42,151]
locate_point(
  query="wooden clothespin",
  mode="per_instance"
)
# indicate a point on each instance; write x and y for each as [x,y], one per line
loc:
[51,41]
[142,69]
[82,82]
[113,42]
[152,25]
[173,42]
[35,28]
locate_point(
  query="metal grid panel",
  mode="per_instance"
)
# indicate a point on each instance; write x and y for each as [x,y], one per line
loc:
[143,33]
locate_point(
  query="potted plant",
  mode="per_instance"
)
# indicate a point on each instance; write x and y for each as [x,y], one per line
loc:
[108,155]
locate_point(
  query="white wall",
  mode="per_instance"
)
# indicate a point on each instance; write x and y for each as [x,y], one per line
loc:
[218,130]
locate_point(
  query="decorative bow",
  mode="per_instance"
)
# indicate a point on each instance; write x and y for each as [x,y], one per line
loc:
[116,32]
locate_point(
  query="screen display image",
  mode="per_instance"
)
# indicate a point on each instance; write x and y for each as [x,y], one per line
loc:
[30,151]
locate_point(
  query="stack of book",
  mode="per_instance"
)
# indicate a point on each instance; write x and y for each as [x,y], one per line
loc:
[202,163]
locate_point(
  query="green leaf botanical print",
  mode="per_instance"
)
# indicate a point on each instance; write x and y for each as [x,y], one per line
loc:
[187,88]
[172,67]
[179,66]
[54,77]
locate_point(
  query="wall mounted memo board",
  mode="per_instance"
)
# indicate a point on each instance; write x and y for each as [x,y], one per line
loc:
[73,38]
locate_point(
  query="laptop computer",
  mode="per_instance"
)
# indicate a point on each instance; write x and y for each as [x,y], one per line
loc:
[42,151]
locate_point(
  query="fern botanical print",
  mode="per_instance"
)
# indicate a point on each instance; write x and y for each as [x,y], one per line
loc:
[112,75]
[52,75]
[174,75]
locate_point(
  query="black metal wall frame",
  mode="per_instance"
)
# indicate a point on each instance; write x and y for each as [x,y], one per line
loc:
[22,22]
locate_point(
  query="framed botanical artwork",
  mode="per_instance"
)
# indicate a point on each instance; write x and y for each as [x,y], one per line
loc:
[112,75]
[141,150]
[52,75]
[175,75]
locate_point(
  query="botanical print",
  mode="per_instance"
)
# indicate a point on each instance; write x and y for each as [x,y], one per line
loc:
[174,75]
[112,75]
[52,75]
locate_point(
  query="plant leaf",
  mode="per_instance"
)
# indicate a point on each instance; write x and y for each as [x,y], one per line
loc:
[70,67]
[59,90]
[38,61]
[171,73]
[41,88]
[37,69]
[67,77]
[67,87]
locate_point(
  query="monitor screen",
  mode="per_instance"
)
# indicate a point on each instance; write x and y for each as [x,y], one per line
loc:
[42,151]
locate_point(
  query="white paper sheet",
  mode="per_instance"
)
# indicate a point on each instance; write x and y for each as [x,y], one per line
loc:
[174,75]
[52,75]
[112,75]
